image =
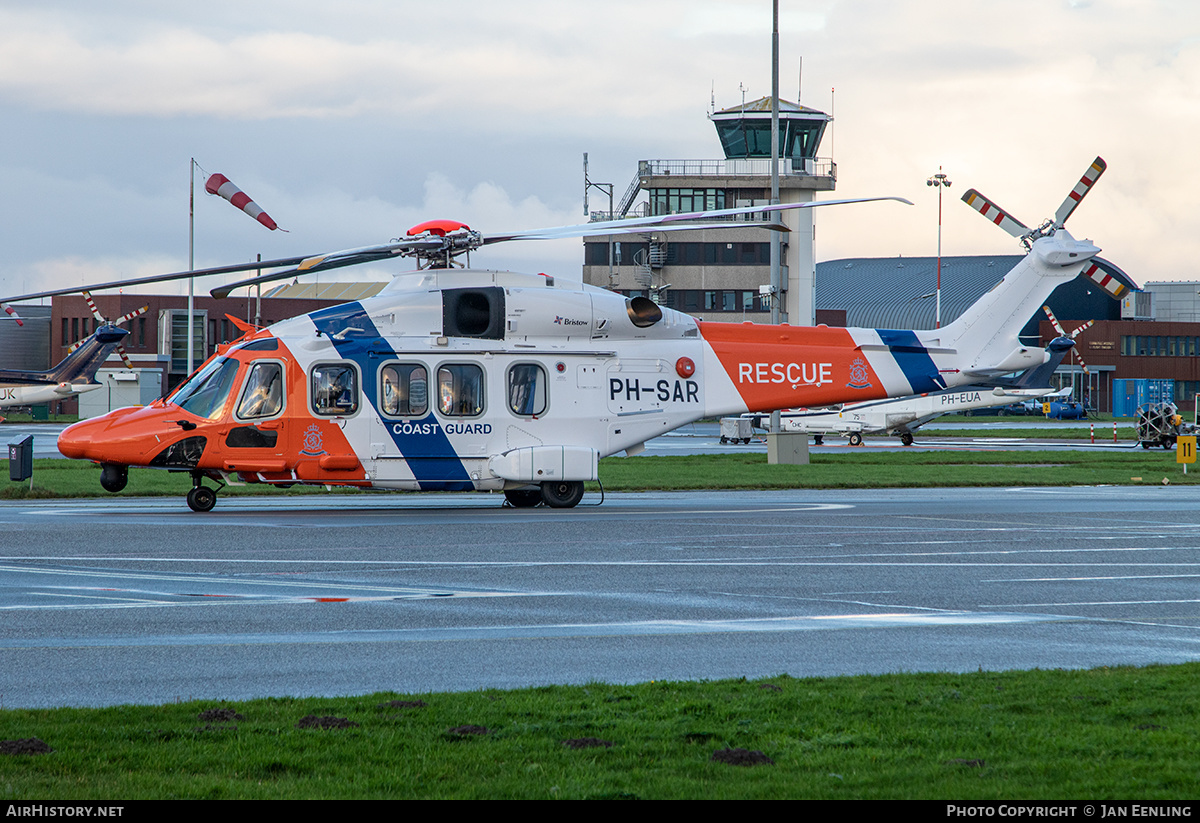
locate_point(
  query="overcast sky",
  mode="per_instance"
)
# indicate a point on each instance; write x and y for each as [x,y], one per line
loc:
[349,122]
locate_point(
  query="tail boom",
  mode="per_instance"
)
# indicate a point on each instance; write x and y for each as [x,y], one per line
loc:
[775,367]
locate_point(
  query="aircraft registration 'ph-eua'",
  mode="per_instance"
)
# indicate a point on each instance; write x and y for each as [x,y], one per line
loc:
[455,378]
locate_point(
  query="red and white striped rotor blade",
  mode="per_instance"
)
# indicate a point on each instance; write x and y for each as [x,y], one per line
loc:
[1063,332]
[1054,321]
[996,214]
[219,185]
[13,314]
[1079,356]
[130,315]
[125,357]
[1080,191]
[1113,287]
[91,304]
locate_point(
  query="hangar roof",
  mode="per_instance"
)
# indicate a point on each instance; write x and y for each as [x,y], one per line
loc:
[898,292]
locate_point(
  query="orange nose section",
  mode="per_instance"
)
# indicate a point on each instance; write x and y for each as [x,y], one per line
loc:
[76,440]
[121,436]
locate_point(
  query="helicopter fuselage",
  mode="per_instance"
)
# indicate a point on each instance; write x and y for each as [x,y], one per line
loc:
[487,380]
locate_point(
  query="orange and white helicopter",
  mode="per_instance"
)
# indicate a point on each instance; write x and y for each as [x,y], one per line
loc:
[469,379]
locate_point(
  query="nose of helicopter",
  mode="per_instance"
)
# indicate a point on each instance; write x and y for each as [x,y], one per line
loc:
[106,438]
[75,440]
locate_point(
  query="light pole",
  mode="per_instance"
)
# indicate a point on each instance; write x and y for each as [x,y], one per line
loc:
[940,181]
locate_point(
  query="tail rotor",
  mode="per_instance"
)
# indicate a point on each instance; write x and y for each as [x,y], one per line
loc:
[101,321]
[1063,333]
[1019,230]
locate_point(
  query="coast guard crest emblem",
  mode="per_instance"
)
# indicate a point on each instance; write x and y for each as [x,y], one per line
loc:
[860,377]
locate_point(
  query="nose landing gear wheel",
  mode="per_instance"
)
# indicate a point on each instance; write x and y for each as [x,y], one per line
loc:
[113,477]
[201,499]
[906,438]
[562,494]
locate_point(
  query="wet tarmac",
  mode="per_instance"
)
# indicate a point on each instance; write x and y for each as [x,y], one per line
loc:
[140,600]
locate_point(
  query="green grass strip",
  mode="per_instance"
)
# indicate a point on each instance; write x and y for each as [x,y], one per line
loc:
[1098,734]
[869,469]
[851,469]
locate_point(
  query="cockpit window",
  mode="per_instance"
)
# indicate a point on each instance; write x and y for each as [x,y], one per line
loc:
[334,389]
[205,394]
[263,395]
[405,390]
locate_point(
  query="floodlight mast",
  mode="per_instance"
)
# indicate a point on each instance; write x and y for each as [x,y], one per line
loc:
[939,181]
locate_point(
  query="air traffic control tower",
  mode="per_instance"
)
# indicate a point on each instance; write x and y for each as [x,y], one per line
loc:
[717,275]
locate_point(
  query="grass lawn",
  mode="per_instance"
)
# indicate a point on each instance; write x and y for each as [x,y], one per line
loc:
[1119,733]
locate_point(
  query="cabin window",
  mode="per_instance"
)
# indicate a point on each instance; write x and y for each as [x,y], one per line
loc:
[527,389]
[334,389]
[263,395]
[205,394]
[460,390]
[405,390]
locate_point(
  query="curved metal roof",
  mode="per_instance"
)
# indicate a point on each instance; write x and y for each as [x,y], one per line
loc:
[898,292]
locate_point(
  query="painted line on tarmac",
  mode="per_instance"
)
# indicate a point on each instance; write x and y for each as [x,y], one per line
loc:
[683,562]
[1087,603]
[306,506]
[648,628]
[1092,579]
[194,599]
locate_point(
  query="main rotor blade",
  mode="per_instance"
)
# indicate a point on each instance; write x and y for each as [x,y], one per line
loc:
[333,260]
[667,222]
[453,244]
[996,214]
[1080,191]
[590,232]
[161,278]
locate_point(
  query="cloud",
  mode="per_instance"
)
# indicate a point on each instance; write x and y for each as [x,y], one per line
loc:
[351,123]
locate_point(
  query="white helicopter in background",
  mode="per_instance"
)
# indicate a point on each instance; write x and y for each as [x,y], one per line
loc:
[904,415]
[474,379]
[74,374]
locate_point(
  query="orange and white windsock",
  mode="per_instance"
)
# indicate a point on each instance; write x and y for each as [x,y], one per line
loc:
[14,315]
[219,184]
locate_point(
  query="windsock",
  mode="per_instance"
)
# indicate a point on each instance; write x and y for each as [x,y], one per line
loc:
[219,184]
[9,309]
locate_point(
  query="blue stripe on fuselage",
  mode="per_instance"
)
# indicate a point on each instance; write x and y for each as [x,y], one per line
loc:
[429,455]
[913,359]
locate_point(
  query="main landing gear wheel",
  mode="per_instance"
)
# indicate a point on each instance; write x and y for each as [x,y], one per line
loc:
[113,477]
[818,440]
[906,438]
[855,439]
[201,499]
[562,494]
[523,498]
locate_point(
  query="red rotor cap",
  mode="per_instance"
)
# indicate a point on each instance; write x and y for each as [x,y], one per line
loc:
[437,227]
